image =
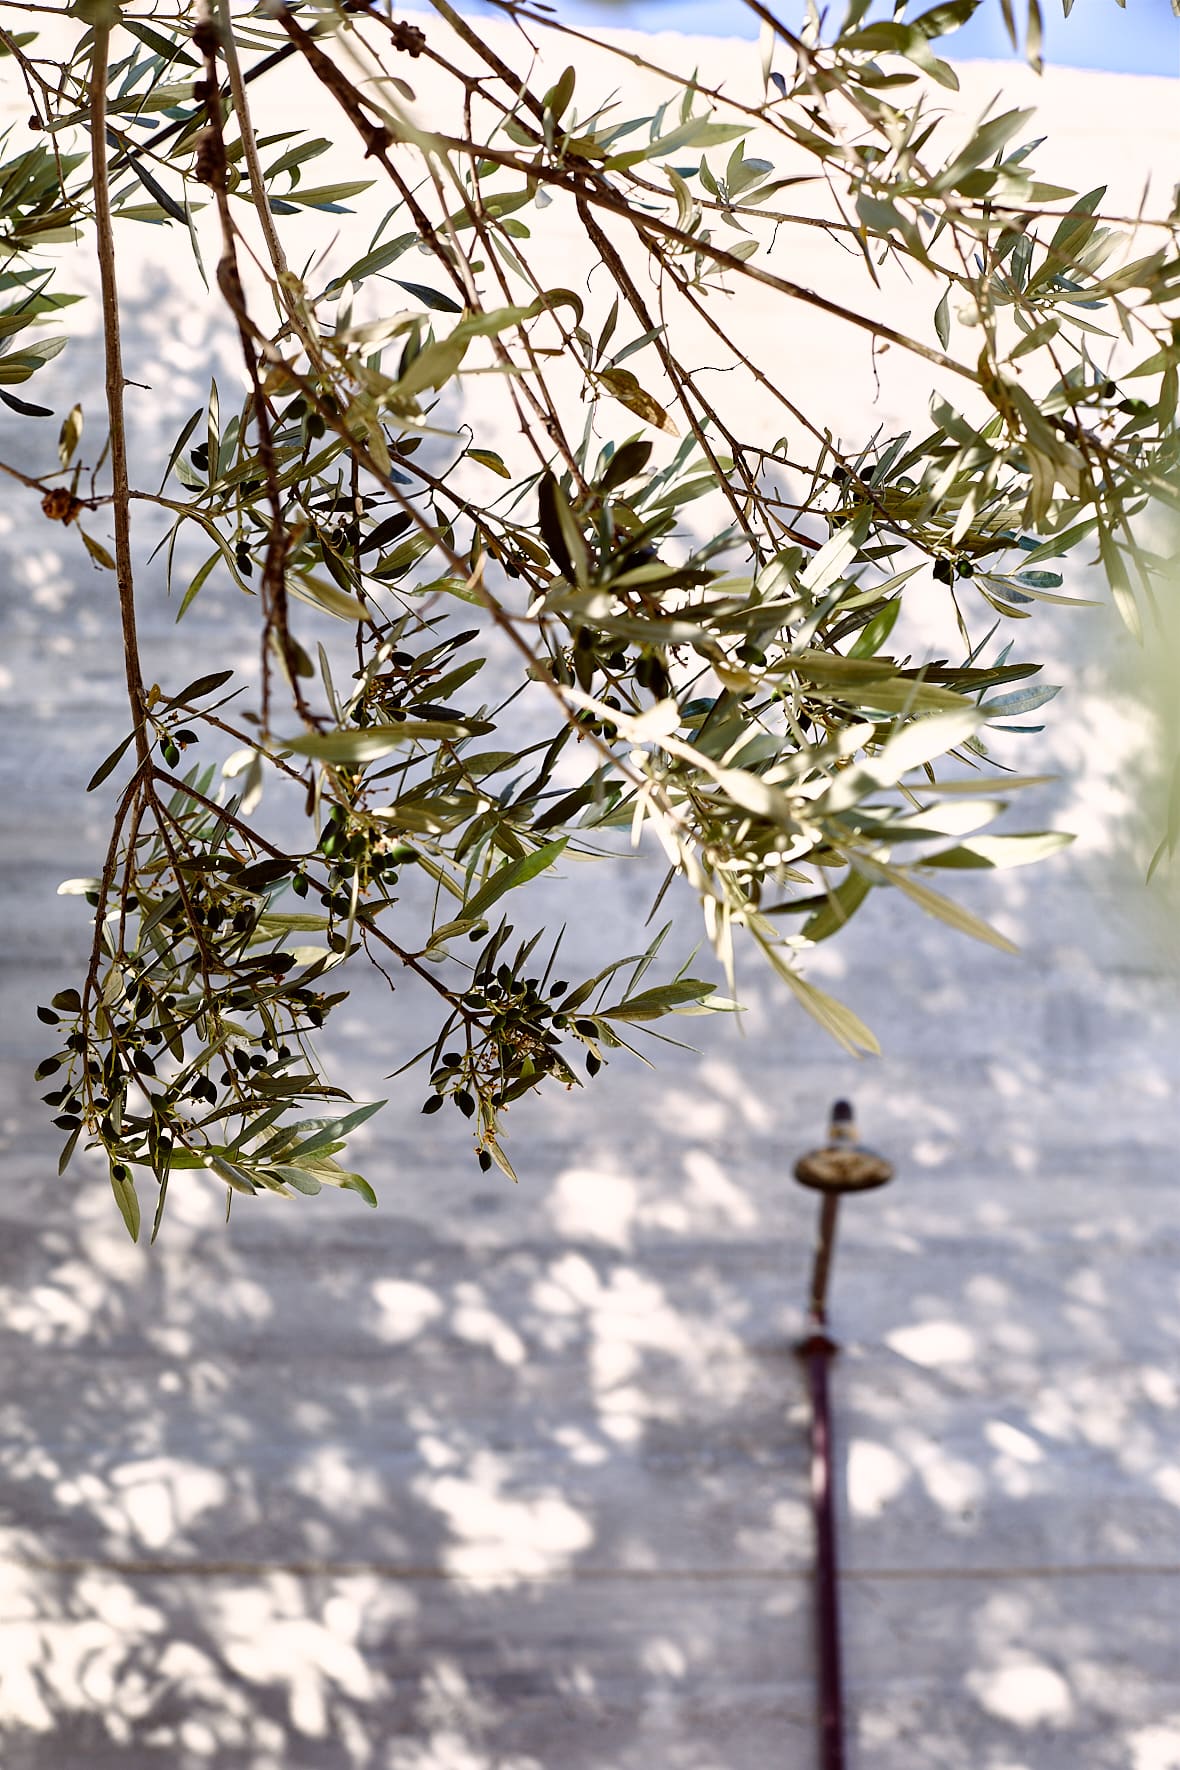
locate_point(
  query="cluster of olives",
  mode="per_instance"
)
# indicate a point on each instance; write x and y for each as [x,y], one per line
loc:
[353,850]
[173,742]
[129,1034]
[947,570]
[595,654]
[515,1026]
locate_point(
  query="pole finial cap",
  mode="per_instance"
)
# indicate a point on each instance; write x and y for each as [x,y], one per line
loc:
[843,1165]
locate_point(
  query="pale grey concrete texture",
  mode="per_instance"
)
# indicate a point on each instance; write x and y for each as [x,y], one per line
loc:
[515,1478]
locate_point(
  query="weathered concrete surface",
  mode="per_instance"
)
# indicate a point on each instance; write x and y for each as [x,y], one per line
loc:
[515,1478]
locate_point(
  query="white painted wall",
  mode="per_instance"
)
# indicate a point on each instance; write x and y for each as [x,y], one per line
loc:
[499,1478]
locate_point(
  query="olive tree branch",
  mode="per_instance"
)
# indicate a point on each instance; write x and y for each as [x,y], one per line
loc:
[116,419]
[211,170]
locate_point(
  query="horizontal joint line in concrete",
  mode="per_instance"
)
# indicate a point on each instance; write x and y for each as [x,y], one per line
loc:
[390,1570]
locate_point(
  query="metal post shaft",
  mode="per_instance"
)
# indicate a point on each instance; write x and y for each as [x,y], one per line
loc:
[825,1247]
[843,1166]
[819,1349]
[827,1592]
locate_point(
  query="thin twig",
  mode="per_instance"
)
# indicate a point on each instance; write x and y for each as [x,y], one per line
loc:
[212,168]
[116,419]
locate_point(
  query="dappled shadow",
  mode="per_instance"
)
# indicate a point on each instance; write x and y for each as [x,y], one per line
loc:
[343,1494]
[512,1478]
[516,1477]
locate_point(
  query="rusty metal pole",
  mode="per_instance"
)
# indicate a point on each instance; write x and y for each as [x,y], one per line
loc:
[841,1166]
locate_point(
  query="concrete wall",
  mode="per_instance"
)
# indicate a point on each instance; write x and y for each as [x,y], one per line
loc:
[515,1478]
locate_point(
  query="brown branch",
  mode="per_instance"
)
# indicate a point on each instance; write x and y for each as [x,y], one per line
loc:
[116,420]
[618,270]
[212,170]
[302,861]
